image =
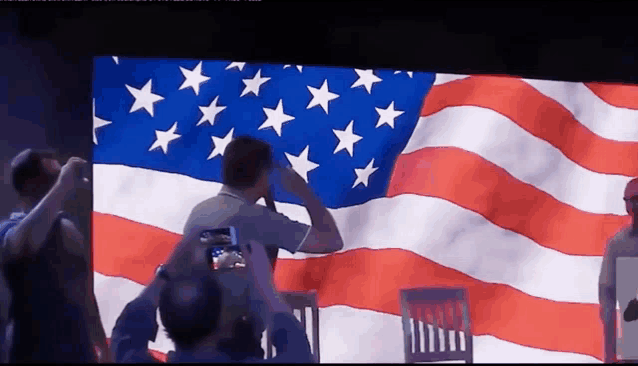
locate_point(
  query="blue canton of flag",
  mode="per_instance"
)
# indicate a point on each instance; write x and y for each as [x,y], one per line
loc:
[340,129]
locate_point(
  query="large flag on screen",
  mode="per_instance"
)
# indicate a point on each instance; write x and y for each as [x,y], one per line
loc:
[506,186]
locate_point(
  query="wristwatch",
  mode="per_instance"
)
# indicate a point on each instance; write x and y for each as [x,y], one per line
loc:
[162,273]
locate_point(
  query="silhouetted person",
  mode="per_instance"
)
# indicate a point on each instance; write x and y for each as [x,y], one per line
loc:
[623,244]
[6,326]
[190,305]
[46,265]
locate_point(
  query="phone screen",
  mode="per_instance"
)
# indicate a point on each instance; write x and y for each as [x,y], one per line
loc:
[223,252]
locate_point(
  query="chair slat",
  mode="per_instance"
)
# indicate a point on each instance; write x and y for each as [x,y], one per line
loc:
[269,346]
[418,305]
[415,329]
[301,301]
[407,334]
[303,317]
[435,325]
[446,328]
[426,330]
[467,331]
[315,333]
[457,326]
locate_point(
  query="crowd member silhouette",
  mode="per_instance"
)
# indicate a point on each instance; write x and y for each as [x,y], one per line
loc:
[45,261]
[623,244]
[6,327]
[190,305]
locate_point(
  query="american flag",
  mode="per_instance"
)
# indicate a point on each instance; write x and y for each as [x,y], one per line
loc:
[506,186]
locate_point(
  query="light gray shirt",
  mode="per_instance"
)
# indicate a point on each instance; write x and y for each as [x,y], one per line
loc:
[252,222]
[621,245]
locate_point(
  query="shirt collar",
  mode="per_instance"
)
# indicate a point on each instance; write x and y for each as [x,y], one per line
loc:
[232,192]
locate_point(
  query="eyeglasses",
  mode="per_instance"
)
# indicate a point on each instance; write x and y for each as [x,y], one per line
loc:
[633,199]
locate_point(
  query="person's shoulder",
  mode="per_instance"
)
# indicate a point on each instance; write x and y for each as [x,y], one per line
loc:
[8,222]
[619,243]
[5,224]
[13,218]
[69,225]
[211,204]
[204,203]
[620,236]
[19,215]
[201,208]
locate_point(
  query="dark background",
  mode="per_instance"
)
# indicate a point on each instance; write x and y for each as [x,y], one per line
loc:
[46,50]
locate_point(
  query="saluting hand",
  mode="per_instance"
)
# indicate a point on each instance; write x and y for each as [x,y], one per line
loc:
[71,174]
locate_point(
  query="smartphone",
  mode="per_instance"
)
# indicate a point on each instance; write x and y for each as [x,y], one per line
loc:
[222,250]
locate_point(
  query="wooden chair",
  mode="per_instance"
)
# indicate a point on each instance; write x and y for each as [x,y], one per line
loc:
[301,301]
[443,309]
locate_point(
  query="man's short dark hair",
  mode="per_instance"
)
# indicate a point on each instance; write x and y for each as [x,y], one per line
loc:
[27,167]
[245,158]
[243,344]
[190,307]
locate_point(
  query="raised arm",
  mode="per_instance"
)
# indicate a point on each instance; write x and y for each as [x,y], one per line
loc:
[27,237]
[324,235]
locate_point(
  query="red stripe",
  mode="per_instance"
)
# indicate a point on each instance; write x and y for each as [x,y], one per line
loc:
[123,250]
[371,279]
[160,356]
[618,95]
[476,184]
[541,116]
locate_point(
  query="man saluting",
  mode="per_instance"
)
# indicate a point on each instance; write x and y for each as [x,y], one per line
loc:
[245,172]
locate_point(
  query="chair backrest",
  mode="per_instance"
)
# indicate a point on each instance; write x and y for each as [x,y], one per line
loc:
[444,310]
[301,301]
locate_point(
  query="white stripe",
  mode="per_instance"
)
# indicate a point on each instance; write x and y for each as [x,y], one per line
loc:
[446,78]
[605,120]
[112,294]
[347,335]
[433,228]
[528,158]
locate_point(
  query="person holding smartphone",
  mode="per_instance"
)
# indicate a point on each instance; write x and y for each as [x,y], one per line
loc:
[190,306]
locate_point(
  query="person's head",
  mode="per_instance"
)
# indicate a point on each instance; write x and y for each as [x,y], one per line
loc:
[33,173]
[243,344]
[246,164]
[631,198]
[190,307]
